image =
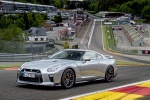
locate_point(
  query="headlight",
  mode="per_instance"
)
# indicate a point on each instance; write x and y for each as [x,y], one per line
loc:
[19,69]
[52,69]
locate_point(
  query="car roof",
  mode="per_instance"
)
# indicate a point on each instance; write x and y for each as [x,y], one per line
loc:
[75,50]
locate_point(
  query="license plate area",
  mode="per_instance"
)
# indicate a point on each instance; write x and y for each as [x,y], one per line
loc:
[30,75]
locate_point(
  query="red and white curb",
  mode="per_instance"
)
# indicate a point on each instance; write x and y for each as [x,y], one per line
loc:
[128,89]
[13,68]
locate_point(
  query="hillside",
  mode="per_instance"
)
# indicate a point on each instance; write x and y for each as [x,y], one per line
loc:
[135,7]
[44,2]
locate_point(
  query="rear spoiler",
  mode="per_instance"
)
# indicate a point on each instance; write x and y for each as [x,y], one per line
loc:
[109,56]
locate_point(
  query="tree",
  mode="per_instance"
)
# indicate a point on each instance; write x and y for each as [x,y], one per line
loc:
[12,32]
[116,8]
[126,9]
[64,3]
[39,19]
[20,23]
[25,17]
[93,7]
[57,3]
[146,12]
[57,19]
[11,40]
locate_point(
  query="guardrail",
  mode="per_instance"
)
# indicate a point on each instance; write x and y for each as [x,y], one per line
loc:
[20,57]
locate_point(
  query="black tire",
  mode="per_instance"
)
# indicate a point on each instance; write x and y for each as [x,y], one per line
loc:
[68,78]
[109,74]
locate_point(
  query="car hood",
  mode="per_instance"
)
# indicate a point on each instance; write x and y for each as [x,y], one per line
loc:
[46,63]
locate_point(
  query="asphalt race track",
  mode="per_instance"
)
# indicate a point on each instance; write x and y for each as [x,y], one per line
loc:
[97,45]
[10,90]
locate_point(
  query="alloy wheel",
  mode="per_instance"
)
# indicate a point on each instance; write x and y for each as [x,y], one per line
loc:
[109,75]
[68,78]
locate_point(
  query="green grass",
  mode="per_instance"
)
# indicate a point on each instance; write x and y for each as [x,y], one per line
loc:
[9,66]
[104,37]
[57,43]
[118,62]
[140,20]
[112,42]
[126,63]
[109,40]
[3,67]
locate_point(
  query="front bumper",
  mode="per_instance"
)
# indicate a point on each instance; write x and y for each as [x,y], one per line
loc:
[34,83]
[42,78]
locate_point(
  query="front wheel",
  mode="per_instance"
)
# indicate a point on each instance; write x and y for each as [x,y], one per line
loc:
[68,78]
[109,74]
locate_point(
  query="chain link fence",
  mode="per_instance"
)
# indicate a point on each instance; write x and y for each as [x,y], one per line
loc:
[19,51]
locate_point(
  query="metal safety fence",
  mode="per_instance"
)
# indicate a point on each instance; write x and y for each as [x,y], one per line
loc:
[18,51]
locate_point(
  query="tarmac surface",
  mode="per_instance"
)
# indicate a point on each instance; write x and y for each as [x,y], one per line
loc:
[10,90]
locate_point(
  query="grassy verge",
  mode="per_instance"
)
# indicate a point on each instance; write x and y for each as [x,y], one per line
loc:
[104,38]
[119,63]
[110,45]
[109,40]
[10,66]
[126,63]
[140,20]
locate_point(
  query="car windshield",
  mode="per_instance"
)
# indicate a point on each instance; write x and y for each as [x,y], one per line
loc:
[69,55]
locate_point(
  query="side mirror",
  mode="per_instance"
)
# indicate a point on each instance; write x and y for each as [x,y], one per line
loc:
[86,59]
[108,56]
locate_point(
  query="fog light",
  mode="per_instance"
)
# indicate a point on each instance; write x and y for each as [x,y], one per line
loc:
[51,77]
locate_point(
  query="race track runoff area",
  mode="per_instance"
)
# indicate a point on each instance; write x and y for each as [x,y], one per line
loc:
[132,92]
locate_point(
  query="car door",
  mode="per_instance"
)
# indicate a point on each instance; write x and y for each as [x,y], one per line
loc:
[90,68]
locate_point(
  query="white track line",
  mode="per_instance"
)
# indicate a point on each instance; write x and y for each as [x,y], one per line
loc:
[91,33]
[73,97]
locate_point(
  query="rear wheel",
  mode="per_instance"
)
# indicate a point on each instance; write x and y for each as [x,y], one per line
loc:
[68,78]
[109,74]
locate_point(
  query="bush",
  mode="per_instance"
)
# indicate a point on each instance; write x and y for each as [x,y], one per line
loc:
[57,19]
[66,45]
[75,46]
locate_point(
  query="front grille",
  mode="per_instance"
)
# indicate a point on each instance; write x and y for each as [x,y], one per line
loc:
[31,70]
[38,78]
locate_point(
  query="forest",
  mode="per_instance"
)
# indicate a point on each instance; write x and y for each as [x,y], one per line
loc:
[11,26]
[139,8]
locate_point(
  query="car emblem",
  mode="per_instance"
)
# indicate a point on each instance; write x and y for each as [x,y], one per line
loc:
[30,70]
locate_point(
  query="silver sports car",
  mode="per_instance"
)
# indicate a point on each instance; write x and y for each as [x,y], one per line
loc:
[68,67]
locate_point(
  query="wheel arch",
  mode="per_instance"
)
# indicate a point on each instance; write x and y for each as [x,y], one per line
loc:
[72,70]
[62,81]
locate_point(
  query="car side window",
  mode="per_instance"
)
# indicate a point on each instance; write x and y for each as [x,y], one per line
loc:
[90,55]
[99,56]
[61,55]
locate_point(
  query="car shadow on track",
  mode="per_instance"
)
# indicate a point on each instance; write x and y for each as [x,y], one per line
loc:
[77,85]
[94,82]
[36,87]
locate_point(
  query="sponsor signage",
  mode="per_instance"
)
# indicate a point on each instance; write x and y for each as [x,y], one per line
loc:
[146,52]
